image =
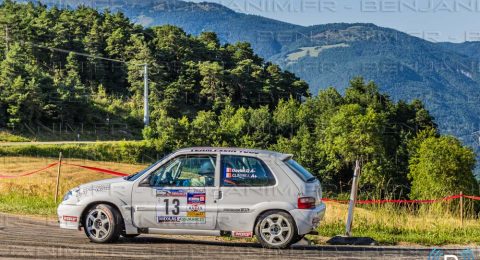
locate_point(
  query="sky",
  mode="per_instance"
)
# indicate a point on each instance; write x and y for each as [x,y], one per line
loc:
[432,20]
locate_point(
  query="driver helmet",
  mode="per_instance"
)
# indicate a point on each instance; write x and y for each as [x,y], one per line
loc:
[207,169]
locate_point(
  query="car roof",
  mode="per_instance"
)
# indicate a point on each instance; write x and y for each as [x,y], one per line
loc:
[236,150]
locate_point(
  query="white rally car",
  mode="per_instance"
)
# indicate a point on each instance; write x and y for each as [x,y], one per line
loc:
[202,191]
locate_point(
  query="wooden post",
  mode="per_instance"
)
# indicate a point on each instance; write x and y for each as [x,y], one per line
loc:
[353,199]
[461,207]
[57,186]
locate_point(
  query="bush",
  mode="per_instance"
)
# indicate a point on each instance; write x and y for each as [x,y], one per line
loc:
[442,166]
[123,151]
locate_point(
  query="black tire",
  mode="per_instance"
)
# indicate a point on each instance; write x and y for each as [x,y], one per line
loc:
[102,224]
[277,236]
[297,239]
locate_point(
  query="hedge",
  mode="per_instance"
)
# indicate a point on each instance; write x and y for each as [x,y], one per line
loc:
[123,151]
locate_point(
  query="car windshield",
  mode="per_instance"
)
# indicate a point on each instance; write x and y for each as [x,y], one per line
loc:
[300,171]
[140,173]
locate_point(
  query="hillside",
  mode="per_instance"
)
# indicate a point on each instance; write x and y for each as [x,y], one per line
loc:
[469,49]
[45,87]
[406,67]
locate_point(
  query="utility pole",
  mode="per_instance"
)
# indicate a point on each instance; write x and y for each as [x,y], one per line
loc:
[146,115]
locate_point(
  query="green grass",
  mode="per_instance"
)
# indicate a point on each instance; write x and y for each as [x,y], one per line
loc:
[388,235]
[390,225]
[9,137]
[27,205]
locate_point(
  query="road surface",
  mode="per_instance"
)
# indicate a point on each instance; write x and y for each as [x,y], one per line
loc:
[24,237]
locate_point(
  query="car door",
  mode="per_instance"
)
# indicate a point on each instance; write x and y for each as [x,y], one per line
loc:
[180,194]
[245,183]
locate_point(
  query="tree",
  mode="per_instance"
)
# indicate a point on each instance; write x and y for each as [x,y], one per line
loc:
[232,124]
[286,117]
[260,128]
[203,129]
[367,95]
[304,149]
[442,166]
[213,82]
[141,54]
[20,89]
[71,91]
[210,40]
[354,133]
[94,43]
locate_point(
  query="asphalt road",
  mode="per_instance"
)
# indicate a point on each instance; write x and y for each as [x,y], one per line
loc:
[23,237]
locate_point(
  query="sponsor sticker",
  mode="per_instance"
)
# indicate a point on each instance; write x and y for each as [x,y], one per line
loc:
[239,210]
[196,198]
[171,193]
[168,219]
[70,219]
[101,188]
[242,234]
[196,207]
[181,219]
[196,214]
[88,191]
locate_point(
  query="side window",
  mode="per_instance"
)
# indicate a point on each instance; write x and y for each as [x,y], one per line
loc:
[242,171]
[186,171]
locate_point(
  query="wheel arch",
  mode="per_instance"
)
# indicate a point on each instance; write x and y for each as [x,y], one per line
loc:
[257,218]
[93,203]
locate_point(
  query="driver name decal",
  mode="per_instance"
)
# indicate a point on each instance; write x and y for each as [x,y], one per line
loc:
[240,173]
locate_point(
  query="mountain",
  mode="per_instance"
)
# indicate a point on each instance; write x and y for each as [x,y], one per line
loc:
[444,76]
[469,49]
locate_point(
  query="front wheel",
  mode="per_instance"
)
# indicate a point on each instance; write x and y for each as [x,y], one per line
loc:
[276,229]
[103,224]
[297,238]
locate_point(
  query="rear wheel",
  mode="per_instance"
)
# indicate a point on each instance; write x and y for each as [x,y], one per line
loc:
[102,224]
[276,229]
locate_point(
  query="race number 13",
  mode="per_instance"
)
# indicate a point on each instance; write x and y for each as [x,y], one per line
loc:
[175,204]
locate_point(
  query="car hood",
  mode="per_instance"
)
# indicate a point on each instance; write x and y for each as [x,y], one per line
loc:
[106,182]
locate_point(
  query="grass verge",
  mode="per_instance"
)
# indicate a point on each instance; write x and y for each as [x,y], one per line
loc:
[9,137]
[390,224]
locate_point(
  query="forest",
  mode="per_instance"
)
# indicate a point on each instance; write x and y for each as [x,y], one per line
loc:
[43,79]
[203,92]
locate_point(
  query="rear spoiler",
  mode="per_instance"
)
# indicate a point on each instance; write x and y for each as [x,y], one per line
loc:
[285,157]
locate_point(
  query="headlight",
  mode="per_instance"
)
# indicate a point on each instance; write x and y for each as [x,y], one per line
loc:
[70,194]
